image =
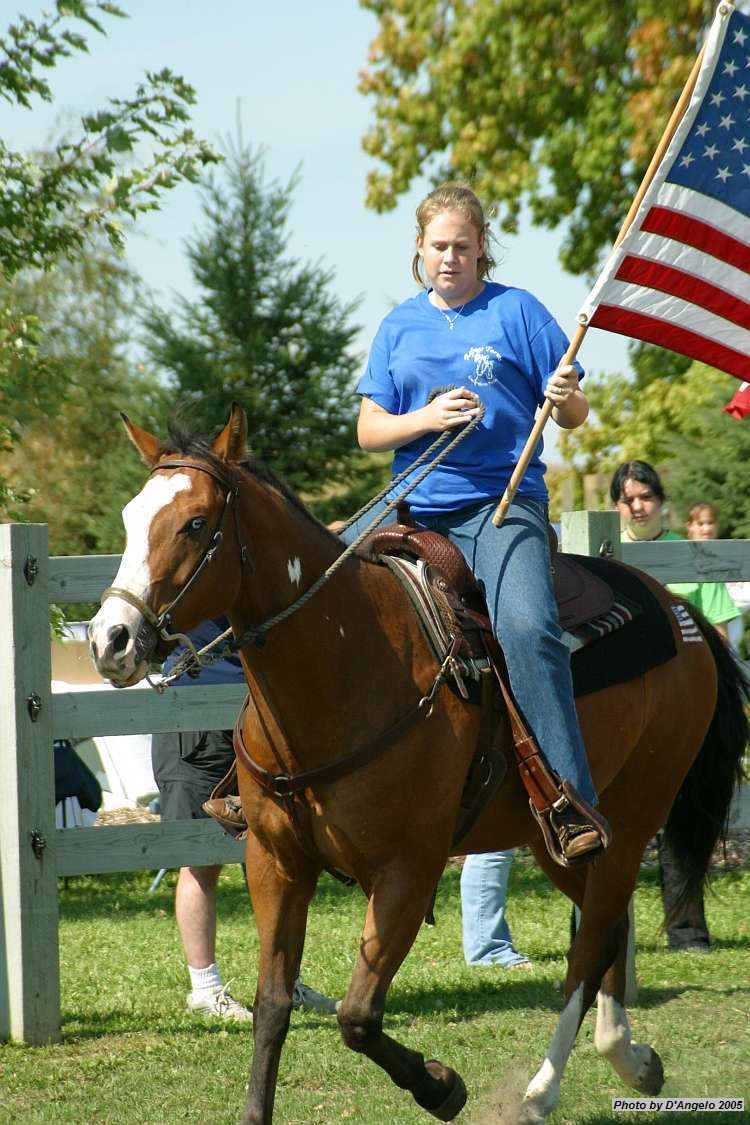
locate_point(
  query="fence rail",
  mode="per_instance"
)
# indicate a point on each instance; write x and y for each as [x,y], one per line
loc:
[34,853]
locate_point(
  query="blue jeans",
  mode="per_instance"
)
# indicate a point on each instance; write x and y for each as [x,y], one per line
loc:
[512,563]
[486,934]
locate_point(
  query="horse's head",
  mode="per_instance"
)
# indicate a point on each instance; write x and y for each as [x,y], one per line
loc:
[179,565]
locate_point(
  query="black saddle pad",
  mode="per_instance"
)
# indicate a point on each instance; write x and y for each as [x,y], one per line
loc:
[641,644]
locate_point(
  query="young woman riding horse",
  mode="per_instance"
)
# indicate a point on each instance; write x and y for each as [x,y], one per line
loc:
[497,349]
[343,770]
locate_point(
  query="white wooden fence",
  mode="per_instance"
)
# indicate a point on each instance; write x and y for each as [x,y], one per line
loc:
[34,853]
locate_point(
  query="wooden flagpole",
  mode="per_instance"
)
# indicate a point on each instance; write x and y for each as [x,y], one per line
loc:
[544,414]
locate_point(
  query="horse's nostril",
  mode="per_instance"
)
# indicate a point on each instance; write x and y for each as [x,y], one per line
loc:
[119,637]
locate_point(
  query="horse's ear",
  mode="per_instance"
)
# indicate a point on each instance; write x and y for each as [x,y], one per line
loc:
[231,443]
[147,445]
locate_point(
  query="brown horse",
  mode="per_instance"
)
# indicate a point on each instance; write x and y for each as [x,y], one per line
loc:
[338,675]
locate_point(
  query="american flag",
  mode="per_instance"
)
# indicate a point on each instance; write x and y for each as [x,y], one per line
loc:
[680,277]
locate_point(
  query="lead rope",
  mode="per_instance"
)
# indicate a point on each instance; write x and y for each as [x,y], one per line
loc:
[255,634]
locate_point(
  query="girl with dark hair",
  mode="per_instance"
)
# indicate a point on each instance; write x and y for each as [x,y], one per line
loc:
[639,495]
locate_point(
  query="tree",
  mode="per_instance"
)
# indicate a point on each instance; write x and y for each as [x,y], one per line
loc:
[669,413]
[713,466]
[72,464]
[560,105]
[266,331]
[51,203]
[667,396]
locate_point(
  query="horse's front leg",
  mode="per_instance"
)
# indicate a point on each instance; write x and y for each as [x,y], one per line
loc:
[395,912]
[280,904]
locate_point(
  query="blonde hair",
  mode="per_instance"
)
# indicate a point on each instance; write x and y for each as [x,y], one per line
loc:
[453,196]
[703,506]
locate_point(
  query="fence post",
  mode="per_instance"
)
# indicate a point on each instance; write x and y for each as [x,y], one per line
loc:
[591,533]
[598,533]
[29,958]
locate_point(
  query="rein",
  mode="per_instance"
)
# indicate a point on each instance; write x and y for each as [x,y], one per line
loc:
[285,785]
[195,659]
[255,634]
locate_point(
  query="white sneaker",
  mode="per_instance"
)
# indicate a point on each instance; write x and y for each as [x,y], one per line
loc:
[309,1000]
[217,1002]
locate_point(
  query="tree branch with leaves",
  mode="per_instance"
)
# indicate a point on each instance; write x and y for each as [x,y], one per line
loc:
[55,205]
[558,106]
[50,203]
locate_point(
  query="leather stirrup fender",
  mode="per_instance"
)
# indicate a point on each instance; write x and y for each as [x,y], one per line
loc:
[549,794]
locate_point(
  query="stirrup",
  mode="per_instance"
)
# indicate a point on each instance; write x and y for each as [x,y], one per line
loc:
[228,812]
[553,827]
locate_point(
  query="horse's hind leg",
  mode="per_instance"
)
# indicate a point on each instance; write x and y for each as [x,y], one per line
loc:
[396,908]
[637,1064]
[596,964]
[280,905]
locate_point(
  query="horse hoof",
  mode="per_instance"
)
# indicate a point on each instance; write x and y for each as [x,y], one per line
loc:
[529,1113]
[652,1079]
[452,1105]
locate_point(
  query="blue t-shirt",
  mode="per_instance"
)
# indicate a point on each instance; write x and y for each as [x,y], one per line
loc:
[504,345]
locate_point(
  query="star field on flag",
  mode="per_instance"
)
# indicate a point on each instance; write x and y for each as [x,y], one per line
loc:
[680,277]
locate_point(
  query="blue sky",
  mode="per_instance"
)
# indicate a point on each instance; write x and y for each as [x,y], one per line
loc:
[291,67]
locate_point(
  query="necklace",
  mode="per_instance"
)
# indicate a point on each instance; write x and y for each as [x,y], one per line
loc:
[452,319]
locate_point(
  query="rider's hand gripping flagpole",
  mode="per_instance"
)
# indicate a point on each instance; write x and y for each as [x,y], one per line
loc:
[546,410]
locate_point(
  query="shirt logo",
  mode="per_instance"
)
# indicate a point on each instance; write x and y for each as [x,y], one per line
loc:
[484,359]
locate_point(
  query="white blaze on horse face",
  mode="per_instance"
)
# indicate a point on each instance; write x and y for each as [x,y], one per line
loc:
[133,575]
[137,516]
[294,566]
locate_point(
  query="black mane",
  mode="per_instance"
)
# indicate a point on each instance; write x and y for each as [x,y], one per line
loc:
[185,443]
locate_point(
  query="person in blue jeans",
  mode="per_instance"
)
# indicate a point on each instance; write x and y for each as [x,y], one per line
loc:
[463,349]
[487,938]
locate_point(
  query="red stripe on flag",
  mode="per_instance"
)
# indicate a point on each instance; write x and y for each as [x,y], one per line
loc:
[667,335]
[696,233]
[667,279]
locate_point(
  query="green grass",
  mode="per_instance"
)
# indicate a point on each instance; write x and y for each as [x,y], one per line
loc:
[130,1055]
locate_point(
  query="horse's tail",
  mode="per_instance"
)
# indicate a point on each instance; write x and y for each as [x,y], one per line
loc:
[699,816]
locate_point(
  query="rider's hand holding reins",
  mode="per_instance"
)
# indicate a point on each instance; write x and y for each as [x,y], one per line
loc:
[452,408]
[569,404]
[379,431]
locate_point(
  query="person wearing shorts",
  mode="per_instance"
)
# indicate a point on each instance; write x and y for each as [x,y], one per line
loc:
[187,765]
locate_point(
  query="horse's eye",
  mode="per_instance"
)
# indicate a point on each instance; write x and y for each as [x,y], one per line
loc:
[195,526]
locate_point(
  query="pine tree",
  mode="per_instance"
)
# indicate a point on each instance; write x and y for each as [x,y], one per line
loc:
[266,332]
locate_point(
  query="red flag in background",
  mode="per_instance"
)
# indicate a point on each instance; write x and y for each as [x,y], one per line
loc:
[739,404]
[680,277]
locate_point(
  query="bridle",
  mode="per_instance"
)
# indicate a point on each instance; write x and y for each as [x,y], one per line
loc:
[158,627]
